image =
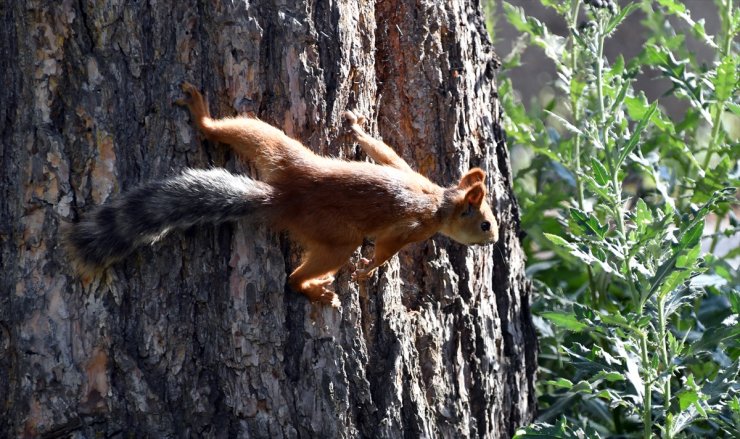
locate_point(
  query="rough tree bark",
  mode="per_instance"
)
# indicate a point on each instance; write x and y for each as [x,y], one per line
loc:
[198,335]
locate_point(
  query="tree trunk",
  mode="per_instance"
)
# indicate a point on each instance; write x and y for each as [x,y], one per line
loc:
[198,335]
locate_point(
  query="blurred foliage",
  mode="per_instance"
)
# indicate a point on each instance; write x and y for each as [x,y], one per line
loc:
[638,325]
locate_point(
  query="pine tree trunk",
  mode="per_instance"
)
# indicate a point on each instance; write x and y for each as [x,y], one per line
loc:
[198,335]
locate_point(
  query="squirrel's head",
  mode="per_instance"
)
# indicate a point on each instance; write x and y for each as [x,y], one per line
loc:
[469,219]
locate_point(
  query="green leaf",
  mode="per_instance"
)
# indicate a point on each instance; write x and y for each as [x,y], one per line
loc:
[619,18]
[637,107]
[633,368]
[643,215]
[700,408]
[734,298]
[726,78]
[576,88]
[567,125]
[600,174]
[688,238]
[567,321]
[543,430]
[558,241]
[655,55]
[517,18]
[701,33]
[669,275]
[691,236]
[586,224]
[734,405]
[688,259]
[673,7]
[618,101]
[614,318]
[617,68]
[583,387]
[593,185]
[712,338]
[686,398]
[561,383]
[676,8]
[612,377]
[632,142]
[672,281]
[513,59]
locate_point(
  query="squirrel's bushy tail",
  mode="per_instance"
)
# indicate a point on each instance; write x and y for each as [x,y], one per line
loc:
[146,213]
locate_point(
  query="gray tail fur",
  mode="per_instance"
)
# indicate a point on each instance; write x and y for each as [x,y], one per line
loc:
[146,213]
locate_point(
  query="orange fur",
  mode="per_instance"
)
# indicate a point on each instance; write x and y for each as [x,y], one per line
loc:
[329,205]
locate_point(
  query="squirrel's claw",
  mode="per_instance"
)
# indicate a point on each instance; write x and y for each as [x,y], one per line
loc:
[350,117]
[190,91]
[362,274]
[188,88]
[317,291]
[325,281]
[329,298]
[354,119]
[361,263]
[194,100]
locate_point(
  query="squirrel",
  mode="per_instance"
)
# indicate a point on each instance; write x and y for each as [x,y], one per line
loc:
[327,205]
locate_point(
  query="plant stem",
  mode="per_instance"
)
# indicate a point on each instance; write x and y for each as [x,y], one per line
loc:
[715,235]
[714,139]
[611,161]
[664,359]
[725,48]
[574,101]
[610,154]
[575,108]
[726,16]
[647,409]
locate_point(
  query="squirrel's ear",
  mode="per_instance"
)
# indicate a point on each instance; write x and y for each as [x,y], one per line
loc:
[476,194]
[472,177]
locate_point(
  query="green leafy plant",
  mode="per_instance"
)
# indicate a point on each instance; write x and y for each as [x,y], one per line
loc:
[639,326]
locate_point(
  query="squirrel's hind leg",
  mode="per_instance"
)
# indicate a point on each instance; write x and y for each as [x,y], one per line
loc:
[266,146]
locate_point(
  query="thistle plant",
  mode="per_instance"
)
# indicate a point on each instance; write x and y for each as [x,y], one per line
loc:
[638,321]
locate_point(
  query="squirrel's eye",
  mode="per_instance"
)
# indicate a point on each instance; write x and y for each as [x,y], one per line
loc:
[485,226]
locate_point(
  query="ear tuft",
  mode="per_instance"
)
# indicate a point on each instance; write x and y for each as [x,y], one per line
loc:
[476,194]
[472,177]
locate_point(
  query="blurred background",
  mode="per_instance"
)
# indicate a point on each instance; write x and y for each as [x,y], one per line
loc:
[532,77]
[536,71]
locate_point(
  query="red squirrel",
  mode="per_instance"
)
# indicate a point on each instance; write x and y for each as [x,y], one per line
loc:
[327,205]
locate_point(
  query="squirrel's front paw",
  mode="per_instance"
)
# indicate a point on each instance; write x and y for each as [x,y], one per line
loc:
[194,100]
[190,93]
[365,272]
[354,119]
[189,88]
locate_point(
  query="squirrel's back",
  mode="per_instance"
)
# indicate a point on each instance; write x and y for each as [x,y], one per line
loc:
[345,202]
